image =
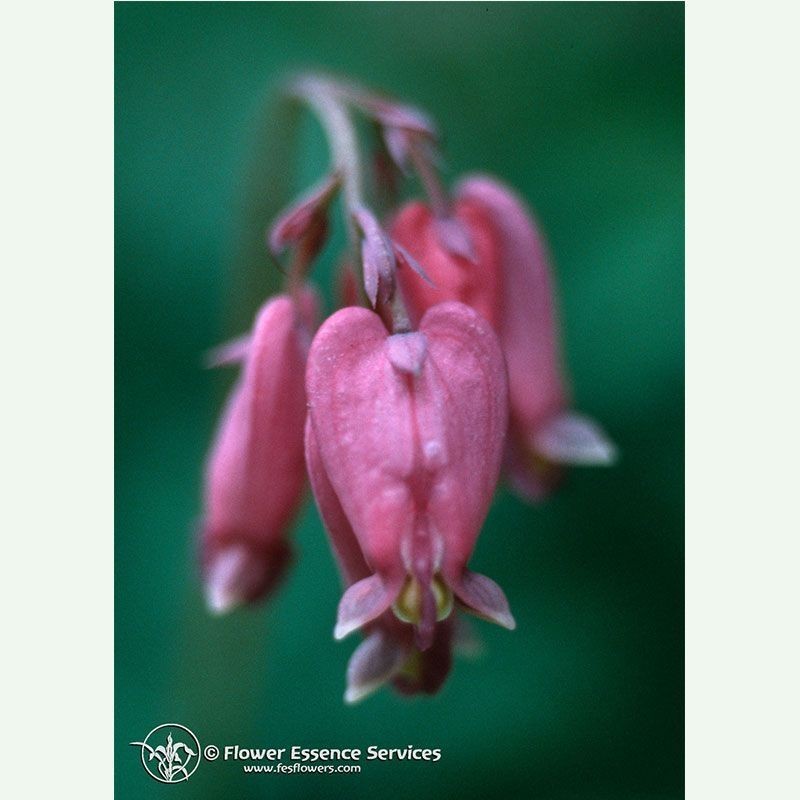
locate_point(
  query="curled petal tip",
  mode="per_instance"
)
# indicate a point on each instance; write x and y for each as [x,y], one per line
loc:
[454,237]
[238,574]
[361,603]
[375,661]
[228,353]
[574,439]
[343,629]
[484,598]
[505,620]
[220,602]
[353,695]
[227,574]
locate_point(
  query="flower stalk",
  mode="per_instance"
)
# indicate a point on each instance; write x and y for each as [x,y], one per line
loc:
[403,414]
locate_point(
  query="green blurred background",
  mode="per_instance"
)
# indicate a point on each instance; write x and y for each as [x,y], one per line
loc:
[580,106]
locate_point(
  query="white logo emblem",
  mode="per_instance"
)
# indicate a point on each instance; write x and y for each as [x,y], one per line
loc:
[170,753]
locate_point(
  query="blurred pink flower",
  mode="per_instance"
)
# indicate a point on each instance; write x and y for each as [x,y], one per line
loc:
[508,280]
[255,472]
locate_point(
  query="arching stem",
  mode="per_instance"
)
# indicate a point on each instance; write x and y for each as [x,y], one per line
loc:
[322,98]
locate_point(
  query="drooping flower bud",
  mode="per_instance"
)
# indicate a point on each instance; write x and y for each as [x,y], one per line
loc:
[377,257]
[305,223]
[255,472]
[410,429]
[510,284]
[387,111]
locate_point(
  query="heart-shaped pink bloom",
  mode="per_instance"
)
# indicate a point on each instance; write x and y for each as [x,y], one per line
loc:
[255,472]
[410,430]
[510,283]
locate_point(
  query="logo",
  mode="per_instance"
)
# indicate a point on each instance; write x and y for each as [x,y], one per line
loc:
[170,753]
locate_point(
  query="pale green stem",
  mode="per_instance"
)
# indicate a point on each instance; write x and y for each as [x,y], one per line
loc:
[326,100]
[322,98]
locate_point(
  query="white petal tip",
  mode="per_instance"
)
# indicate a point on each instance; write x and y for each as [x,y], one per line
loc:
[501,618]
[342,630]
[609,456]
[219,602]
[361,603]
[506,621]
[355,694]
[484,598]
[575,440]
[600,454]
[224,580]
[351,697]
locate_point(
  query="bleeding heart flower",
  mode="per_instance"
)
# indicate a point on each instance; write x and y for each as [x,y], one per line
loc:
[510,284]
[255,472]
[410,430]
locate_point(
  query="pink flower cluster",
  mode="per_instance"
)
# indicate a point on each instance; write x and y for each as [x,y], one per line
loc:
[403,408]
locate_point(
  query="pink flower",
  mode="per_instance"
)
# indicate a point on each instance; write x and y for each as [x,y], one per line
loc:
[509,282]
[407,433]
[461,255]
[388,652]
[255,472]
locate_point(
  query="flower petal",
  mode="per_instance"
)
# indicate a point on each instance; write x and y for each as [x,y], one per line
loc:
[375,662]
[484,598]
[571,438]
[362,603]
[230,353]
[340,533]
[461,413]
[361,411]
[527,326]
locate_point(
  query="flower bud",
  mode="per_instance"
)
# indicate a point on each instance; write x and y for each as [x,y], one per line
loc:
[255,472]
[305,222]
[378,258]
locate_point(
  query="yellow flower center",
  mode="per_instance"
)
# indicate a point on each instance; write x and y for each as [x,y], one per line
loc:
[408,606]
